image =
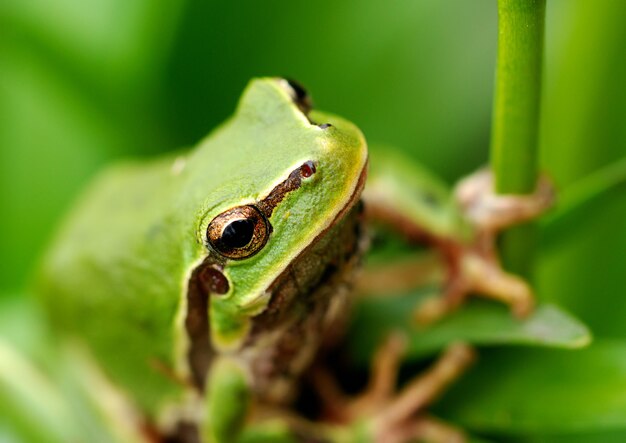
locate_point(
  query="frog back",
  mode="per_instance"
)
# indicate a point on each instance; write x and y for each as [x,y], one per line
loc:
[118,264]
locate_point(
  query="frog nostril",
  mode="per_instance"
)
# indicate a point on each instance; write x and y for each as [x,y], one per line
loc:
[307,169]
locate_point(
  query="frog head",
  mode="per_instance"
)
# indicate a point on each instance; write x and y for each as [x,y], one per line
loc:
[279,176]
[122,274]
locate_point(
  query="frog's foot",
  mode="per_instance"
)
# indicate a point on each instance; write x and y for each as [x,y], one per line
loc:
[487,278]
[397,417]
[477,273]
[475,267]
[491,212]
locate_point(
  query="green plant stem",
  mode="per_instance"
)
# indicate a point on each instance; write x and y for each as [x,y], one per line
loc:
[516,115]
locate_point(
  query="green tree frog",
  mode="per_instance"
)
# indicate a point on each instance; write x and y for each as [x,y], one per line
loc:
[204,283]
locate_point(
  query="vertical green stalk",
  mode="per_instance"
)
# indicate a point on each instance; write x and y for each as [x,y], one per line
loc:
[514,136]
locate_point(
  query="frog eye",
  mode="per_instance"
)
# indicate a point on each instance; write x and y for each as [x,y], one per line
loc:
[239,232]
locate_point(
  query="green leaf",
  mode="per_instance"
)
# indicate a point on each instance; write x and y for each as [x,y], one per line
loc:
[580,198]
[535,391]
[479,322]
[21,323]
[618,436]
[582,133]
[30,404]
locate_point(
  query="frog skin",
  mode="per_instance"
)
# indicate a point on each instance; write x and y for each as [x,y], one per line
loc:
[204,283]
[204,280]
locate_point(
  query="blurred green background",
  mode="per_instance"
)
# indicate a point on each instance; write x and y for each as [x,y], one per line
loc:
[84,83]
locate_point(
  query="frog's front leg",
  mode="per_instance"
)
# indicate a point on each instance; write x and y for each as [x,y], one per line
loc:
[480,270]
[466,240]
[476,273]
[232,414]
[228,396]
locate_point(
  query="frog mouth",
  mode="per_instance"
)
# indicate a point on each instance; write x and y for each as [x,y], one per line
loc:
[356,193]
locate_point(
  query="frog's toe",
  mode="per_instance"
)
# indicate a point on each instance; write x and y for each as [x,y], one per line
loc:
[431,310]
[476,271]
[487,278]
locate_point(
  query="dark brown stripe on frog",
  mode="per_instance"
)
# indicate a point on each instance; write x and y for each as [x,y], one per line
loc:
[197,320]
[269,203]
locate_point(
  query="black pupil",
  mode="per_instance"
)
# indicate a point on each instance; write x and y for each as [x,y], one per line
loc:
[238,233]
